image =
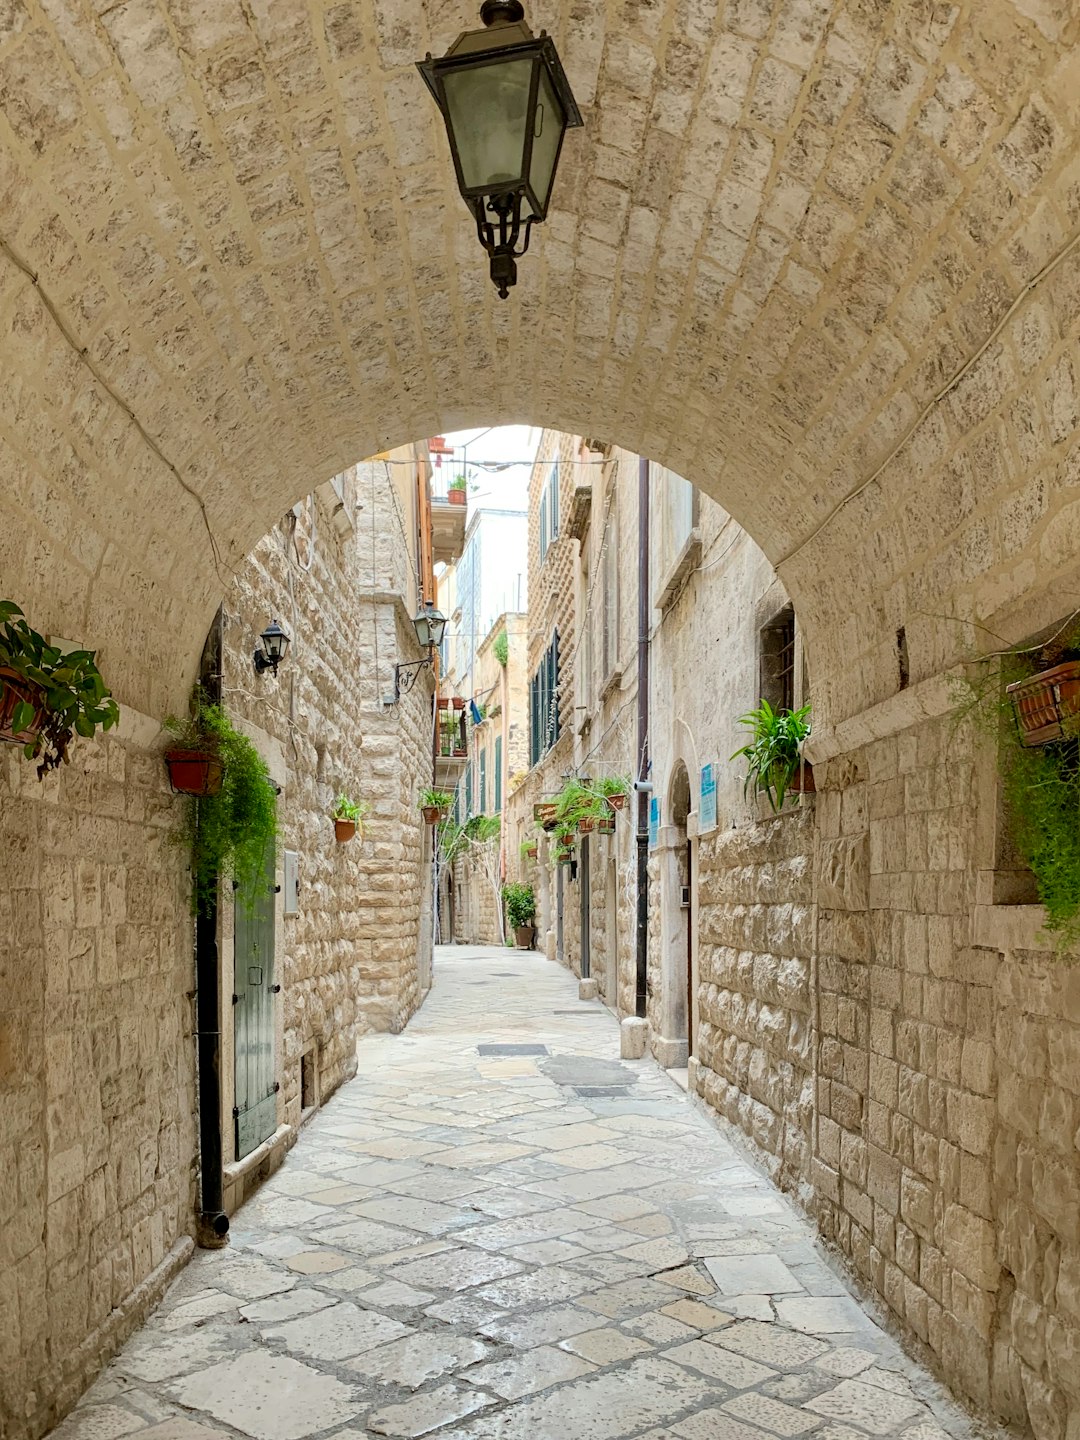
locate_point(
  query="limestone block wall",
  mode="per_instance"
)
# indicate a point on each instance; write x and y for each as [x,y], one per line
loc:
[754,1011]
[351,952]
[97,1080]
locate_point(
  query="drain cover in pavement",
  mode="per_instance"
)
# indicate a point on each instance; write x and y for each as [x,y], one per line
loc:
[577,1070]
[512,1049]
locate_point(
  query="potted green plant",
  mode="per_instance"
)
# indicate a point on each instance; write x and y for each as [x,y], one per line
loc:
[578,806]
[455,491]
[348,816]
[605,825]
[528,849]
[47,695]
[520,903]
[614,789]
[775,766]
[501,649]
[194,762]
[434,805]
[232,833]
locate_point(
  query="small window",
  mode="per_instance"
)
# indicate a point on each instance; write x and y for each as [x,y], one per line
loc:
[549,510]
[777,660]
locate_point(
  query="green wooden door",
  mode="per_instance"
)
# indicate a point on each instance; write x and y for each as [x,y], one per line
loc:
[253,1017]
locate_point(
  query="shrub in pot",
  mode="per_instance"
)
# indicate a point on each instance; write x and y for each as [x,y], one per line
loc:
[47,695]
[520,903]
[614,789]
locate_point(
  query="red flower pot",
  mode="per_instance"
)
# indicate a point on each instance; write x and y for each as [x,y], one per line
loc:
[531,852]
[14,689]
[194,772]
[606,826]
[456,497]
[344,830]
[458,702]
[586,825]
[617,801]
[432,814]
[1045,701]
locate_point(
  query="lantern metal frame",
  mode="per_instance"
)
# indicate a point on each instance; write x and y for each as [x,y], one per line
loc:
[407,673]
[275,644]
[500,227]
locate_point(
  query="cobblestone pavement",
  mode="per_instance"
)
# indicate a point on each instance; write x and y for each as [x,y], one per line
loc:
[500,1231]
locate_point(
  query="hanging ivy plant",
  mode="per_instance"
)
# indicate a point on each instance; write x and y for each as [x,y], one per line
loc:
[232,835]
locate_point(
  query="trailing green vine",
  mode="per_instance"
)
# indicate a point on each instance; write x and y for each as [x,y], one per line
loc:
[230,836]
[1040,783]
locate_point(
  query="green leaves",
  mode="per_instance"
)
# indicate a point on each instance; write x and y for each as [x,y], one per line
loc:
[75,697]
[774,753]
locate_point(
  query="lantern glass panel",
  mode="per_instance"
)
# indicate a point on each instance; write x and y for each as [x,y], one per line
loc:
[487,111]
[548,130]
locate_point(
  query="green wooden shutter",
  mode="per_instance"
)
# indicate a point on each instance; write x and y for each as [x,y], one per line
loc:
[498,774]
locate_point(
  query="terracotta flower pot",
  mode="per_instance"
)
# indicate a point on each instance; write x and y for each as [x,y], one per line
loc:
[586,825]
[606,825]
[194,772]
[456,497]
[458,702]
[1045,701]
[617,801]
[802,782]
[523,937]
[531,853]
[14,689]
[344,830]
[432,814]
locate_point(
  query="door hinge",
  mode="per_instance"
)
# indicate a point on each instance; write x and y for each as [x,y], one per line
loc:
[277,889]
[277,1086]
[236,1112]
[236,999]
[275,989]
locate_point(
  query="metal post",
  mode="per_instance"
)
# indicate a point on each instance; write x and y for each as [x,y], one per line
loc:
[643,740]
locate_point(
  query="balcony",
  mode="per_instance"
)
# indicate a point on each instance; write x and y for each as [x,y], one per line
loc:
[577,523]
[452,745]
[449,516]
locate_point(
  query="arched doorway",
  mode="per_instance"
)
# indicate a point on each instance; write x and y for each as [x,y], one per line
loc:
[675,1042]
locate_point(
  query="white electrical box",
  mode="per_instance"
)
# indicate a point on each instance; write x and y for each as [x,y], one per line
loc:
[291,882]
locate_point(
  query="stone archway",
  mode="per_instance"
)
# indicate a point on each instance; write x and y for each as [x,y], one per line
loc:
[788,257]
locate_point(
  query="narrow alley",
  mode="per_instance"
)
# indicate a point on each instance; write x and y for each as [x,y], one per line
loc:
[500,1229]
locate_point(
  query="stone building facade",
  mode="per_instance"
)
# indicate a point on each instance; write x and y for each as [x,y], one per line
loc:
[98,1077]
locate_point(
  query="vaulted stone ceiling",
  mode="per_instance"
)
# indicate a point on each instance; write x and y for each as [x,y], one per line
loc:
[234,262]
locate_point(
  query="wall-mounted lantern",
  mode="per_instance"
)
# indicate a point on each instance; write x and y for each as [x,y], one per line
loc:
[506,103]
[269,655]
[430,626]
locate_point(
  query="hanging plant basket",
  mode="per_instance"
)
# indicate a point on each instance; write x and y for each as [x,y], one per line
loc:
[1045,703]
[194,772]
[458,702]
[617,801]
[606,825]
[586,825]
[531,852]
[16,690]
[344,830]
[432,814]
[564,857]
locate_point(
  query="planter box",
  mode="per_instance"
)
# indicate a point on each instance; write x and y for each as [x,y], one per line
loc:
[193,772]
[13,690]
[458,702]
[617,801]
[344,830]
[1045,702]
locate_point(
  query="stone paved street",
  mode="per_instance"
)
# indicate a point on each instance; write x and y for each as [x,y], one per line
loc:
[500,1231]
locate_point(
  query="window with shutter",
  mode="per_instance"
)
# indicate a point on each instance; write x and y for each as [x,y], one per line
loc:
[483,781]
[498,774]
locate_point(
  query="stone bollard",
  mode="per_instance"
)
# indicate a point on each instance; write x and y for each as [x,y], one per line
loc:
[633,1035]
[588,989]
[692,1075]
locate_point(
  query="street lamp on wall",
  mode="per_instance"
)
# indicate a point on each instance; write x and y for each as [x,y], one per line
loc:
[430,626]
[275,642]
[506,103]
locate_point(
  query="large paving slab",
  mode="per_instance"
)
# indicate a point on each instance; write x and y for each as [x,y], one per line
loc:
[464,1247]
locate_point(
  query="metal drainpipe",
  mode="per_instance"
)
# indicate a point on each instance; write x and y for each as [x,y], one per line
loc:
[212,1228]
[643,740]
